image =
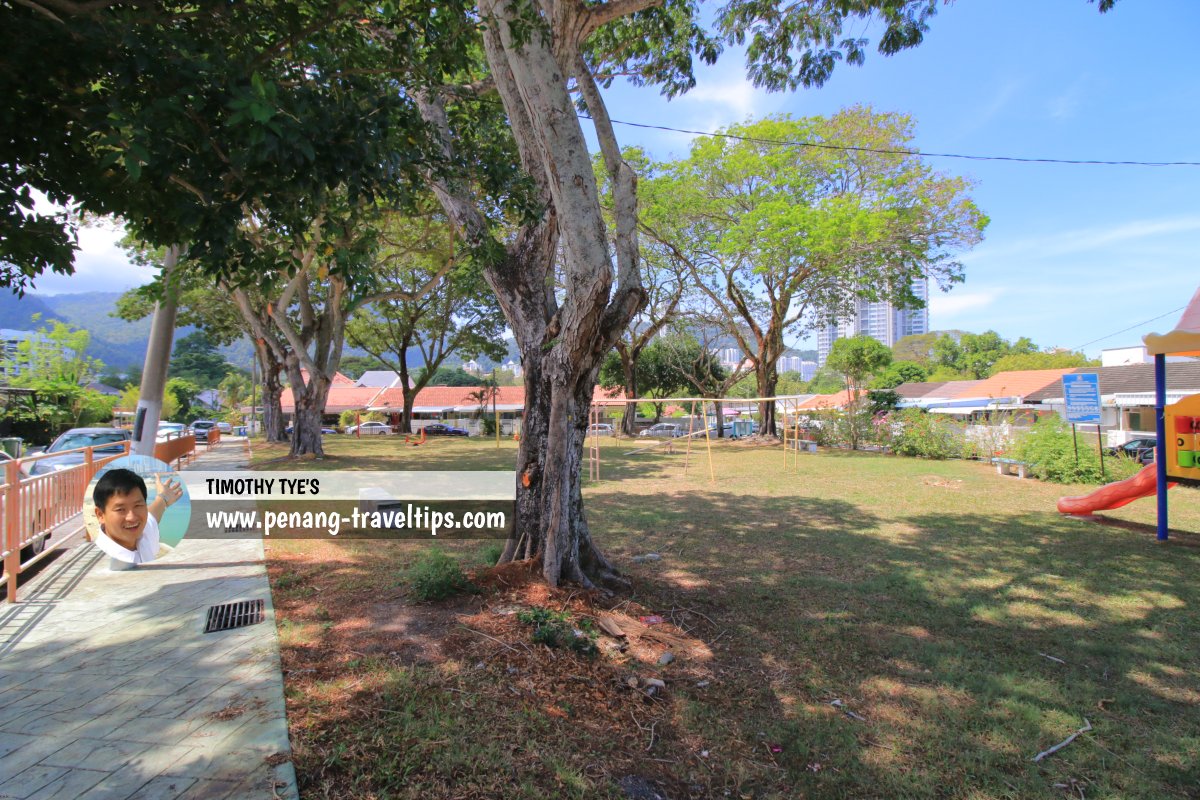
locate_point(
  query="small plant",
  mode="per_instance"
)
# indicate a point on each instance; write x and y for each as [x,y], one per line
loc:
[491,553]
[436,576]
[1050,451]
[919,434]
[555,629]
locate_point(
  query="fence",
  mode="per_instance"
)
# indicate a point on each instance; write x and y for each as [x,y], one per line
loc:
[31,506]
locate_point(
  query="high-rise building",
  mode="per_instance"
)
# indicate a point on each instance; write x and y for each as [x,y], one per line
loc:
[880,320]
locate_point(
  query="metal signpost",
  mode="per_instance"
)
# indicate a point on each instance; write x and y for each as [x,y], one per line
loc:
[1081,393]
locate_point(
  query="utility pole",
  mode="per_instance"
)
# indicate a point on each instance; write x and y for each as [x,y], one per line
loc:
[158,358]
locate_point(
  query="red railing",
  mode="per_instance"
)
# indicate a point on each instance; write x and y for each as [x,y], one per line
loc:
[39,503]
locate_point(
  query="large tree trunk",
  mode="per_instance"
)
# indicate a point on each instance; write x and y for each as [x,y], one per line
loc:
[561,345]
[719,410]
[272,393]
[767,379]
[410,399]
[309,399]
[629,368]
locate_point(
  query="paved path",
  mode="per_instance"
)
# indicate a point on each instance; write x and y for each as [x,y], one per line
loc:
[109,689]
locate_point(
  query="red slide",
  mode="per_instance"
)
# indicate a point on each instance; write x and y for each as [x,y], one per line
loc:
[1114,495]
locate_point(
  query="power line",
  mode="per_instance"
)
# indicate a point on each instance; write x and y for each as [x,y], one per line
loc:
[1131,327]
[901,152]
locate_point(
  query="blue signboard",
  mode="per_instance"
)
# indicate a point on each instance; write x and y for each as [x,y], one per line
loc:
[1081,391]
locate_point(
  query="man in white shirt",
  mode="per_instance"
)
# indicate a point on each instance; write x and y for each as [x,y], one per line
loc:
[128,524]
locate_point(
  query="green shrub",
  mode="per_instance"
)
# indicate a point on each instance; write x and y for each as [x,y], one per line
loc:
[917,433]
[1049,450]
[436,576]
[555,629]
[491,553]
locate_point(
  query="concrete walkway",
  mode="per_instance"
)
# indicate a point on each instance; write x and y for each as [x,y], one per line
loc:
[110,690]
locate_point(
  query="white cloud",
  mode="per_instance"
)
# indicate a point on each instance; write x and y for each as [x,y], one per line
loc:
[1083,240]
[733,94]
[956,304]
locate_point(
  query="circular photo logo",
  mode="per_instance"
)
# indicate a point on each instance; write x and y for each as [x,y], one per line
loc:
[135,506]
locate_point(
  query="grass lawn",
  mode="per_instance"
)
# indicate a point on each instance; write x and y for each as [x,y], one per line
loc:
[963,625]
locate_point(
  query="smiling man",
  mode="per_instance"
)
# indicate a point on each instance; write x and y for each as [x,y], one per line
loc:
[128,523]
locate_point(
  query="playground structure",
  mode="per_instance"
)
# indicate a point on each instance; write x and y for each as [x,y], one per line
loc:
[788,416]
[1177,459]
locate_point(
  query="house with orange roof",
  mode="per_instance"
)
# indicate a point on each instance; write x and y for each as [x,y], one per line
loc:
[819,402]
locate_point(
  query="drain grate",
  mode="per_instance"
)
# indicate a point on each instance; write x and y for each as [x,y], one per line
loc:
[234,615]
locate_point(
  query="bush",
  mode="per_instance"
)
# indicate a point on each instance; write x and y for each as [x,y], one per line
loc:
[491,553]
[555,629]
[436,576]
[916,433]
[1049,450]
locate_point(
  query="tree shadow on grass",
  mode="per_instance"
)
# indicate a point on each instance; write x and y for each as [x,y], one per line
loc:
[935,628]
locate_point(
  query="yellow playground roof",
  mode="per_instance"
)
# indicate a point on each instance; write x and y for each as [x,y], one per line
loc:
[1184,340]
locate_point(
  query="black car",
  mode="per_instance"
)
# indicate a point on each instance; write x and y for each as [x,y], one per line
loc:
[1141,450]
[438,429]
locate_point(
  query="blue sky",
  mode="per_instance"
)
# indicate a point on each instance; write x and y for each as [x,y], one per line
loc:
[1073,253]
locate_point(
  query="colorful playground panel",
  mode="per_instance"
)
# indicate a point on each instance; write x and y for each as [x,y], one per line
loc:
[1183,438]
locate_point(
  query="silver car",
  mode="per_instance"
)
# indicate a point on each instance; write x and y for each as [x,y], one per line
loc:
[370,429]
[77,438]
[664,430]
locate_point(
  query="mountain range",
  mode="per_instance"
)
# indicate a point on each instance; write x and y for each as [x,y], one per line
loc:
[120,344]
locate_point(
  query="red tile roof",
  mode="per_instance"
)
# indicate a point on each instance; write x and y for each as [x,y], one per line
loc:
[839,400]
[341,398]
[1018,383]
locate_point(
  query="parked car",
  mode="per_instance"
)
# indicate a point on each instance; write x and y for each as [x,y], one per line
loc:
[201,427]
[224,427]
[370,429]
[288,430]
[438,429]
[664,430]
[170,429]
[5,458]
[600,429]
[1141,450]
[32,549]
[76,438]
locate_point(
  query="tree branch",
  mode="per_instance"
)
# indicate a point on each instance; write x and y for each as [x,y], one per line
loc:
[600,15]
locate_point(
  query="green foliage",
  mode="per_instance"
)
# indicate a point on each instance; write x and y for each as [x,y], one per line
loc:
[975,355]
[491,553]
[128,401]
[436,576]
[461,317]
[916,433]
[1049,450]
[556,629]
[454,376]
[183,393]
[919,347]
[353,367]
[899,372]
[196,359]
[53,363]
[825,381]
[1063,359]
[857,358]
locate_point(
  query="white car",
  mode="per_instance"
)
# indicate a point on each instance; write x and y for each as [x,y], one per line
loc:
[664,430]
[224,427]
[600,429]
[370,429]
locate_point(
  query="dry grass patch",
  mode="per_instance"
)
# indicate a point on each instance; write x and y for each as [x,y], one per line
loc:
[851,626]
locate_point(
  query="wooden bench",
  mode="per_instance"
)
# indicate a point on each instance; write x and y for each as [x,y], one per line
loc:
[1010,466]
